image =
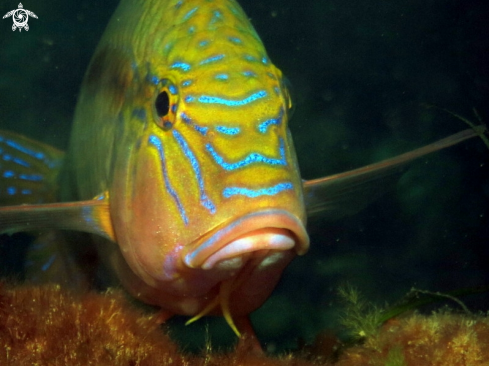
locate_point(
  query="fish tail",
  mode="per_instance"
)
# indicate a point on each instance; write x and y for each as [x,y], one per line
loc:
[29,170]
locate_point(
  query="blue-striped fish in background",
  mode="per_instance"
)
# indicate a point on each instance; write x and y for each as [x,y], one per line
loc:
[181,160]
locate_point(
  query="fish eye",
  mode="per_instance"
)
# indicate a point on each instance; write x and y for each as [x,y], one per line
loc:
[165,105]
[162,104]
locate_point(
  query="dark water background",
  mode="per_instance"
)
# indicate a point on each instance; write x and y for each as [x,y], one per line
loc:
[360,70]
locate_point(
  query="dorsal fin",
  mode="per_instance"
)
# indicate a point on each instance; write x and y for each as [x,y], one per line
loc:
[28,170]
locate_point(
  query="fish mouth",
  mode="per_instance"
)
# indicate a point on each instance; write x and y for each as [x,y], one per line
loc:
[275,230]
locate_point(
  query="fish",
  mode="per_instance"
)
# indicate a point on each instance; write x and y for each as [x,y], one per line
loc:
[181,166]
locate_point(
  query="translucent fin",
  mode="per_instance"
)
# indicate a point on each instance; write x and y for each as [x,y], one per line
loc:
[49,259]
[28,170]
[346,193]
[88,216]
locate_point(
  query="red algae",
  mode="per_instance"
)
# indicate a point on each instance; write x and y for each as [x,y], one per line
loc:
[46,325]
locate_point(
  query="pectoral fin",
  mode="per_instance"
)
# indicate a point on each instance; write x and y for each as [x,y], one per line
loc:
[91,216]
[346,193]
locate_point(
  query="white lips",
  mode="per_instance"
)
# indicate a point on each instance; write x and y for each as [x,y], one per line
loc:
[267,238]
[275,230]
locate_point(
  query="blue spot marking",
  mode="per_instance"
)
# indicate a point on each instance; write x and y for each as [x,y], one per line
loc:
[8,174]
[190,13]
[264,60]
[249,74]
[276,90]
[212,59]
[216,16]
[253,193]
[31,177]
[263,127]
[221,77]
[180,65]
[189,98]
[8,157]
[188,120]
[191,30]
[206,202]
[253,158]
[11,191]
[154,80]
[173,89]
[179,4]
[186,82]
[174,108]
[204,43]
[235,40]
[249,58]
[231,102]
[26,191]
[154,140]
[48,264]
[228,130]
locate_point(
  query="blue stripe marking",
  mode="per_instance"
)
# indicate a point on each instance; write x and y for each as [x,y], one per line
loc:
[11,191]
[221,77]
[154,140]
[188,120]
[186,82]
[235,40]
[253,193]
[204,43]
[249,74]
[263,127]
[8,157]
[231,102]
[26,191]
[48,264]
[253,158]
[249,58]
[211,59]
[31,177]
[206,202]
[8,174]
[190,13]
[25,150]
[228,130]
[189,98]
[180,65]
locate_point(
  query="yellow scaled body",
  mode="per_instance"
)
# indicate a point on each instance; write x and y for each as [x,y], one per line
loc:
[185,119]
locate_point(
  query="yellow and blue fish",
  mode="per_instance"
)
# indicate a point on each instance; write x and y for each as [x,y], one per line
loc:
[182,163]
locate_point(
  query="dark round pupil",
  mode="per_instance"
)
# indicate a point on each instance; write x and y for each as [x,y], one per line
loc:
[162,104]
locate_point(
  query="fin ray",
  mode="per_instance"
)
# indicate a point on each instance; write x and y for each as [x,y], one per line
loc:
[344,194]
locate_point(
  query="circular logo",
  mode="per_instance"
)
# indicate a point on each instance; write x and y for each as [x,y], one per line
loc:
[20,18]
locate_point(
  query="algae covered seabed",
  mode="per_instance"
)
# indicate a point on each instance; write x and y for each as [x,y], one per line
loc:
[360,71]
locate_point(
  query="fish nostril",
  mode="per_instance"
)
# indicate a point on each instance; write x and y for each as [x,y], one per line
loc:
[232,254]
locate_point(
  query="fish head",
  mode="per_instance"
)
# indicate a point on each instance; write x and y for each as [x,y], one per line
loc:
[206,189]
